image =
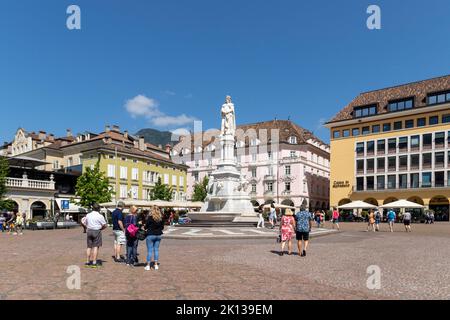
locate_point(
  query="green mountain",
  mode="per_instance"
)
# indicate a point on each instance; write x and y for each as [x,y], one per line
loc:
[156,137]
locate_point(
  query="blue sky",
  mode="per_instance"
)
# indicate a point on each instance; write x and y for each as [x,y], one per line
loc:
[174,61]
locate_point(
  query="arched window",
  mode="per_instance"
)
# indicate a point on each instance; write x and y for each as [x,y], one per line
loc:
[292,140]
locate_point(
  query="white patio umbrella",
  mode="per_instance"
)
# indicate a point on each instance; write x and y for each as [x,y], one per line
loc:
[357,205]
[279,206]
[402,204]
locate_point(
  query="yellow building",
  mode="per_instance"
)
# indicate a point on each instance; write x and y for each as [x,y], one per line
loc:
[393,144]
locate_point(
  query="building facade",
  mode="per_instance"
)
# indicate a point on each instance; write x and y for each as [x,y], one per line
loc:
[393,144]
[281,162]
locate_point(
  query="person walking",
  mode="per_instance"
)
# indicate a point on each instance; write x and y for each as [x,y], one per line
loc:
[272,215]
[303,220]
[154,226]
[94,223]
[11,222]
[407,221]
[118,231]
[287,227]
[335,218]
[377,220]
[131,229]
[317,218]
[391,219]
[371,222]
[431,217]
[19,224]
[261,219]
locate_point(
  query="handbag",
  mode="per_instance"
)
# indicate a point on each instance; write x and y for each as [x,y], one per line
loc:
[141,235]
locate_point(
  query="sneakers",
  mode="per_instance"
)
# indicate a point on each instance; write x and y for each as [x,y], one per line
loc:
[88,264]
[147,268]
[303,254]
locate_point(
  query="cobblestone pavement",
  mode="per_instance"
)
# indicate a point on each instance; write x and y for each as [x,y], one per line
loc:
[414,266]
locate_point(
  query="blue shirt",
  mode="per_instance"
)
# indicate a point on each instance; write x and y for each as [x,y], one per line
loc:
[117,216]
[391,216]
[303,219]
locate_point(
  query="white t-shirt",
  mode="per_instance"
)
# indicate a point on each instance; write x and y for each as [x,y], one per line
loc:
[95,221]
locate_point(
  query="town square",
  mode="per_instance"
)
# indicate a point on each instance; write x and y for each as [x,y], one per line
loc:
[224,151]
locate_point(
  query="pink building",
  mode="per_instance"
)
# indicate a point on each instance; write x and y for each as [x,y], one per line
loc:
[281,162]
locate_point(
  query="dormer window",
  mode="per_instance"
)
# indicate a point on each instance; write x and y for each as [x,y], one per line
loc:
[292,140]
[437,98]
[359,112]
[400,105]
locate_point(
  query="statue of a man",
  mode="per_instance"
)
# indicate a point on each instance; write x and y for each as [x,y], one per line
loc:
[228,118]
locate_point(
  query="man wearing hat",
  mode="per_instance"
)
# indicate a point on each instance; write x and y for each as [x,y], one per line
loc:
[119,231]
[303,221]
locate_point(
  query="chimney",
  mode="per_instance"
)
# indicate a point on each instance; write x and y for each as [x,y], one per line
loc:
[42,135]
[125,134]
[115,128]
[51,137]
[142,145]
[168,148]
[107,129]
[69,133]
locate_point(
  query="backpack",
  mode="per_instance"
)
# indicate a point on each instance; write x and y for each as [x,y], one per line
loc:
[131,228]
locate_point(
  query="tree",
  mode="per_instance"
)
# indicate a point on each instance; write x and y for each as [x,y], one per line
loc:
[93,187]
[200,190]
[4,171]
[161,191]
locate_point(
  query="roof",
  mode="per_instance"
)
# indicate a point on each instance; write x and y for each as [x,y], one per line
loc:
[286,129]
[419,90]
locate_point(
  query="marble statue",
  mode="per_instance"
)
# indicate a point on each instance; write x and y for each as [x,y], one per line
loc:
[228,118]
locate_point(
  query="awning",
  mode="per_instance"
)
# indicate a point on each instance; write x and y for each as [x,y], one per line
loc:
[402,204]
[25,162]
[73,208]
[357,205]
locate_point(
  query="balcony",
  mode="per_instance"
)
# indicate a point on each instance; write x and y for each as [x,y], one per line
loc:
[269,177]
[25,183]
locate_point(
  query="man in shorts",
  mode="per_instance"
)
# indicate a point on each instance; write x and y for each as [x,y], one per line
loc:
[303,227]
[94,223]
[119,232]
[407,221]
[391,216]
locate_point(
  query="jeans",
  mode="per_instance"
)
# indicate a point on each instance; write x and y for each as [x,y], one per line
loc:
[153,247]
[132,245]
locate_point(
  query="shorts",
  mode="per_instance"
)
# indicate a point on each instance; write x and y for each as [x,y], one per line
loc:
[94,238]
[302,236]
[407,222]
[335,220]
[119,237]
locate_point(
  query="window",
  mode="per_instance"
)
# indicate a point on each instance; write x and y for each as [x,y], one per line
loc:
[370,183]
[123,173]
[293,154]
[287,170]
[433,120]
[370,165]
[426,160]
[293,140]
[360,166]
[123,192]
[174,180]
[360,148]
[197,163]
[355,132]
[386,127]
[415,142]
[414,177]
[360,184]
[253,187]
[380,182]
[381,164]
[398,125]
[253,172]
[270,186]
[403,162]
[415,161]
[287,186]
[392,163]
[437,98]
[439,179]
[134,192]
[359,112]
[135,174]
[392,145]
[196,176]
[409,124]
[376,128]
[403,143]
[346,133]
[336,134]
[370,147]
[403,181]
[439,139]
[426,179]
[427,140]
[392,181]
[381,146]
[401,105]
[166,178]
[439,160]
[111,171]
[365,130]
[269,155]
[421,122]
[446,118]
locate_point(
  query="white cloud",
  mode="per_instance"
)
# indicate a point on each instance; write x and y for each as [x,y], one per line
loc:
[181,132]
[169,93]
[142,106]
